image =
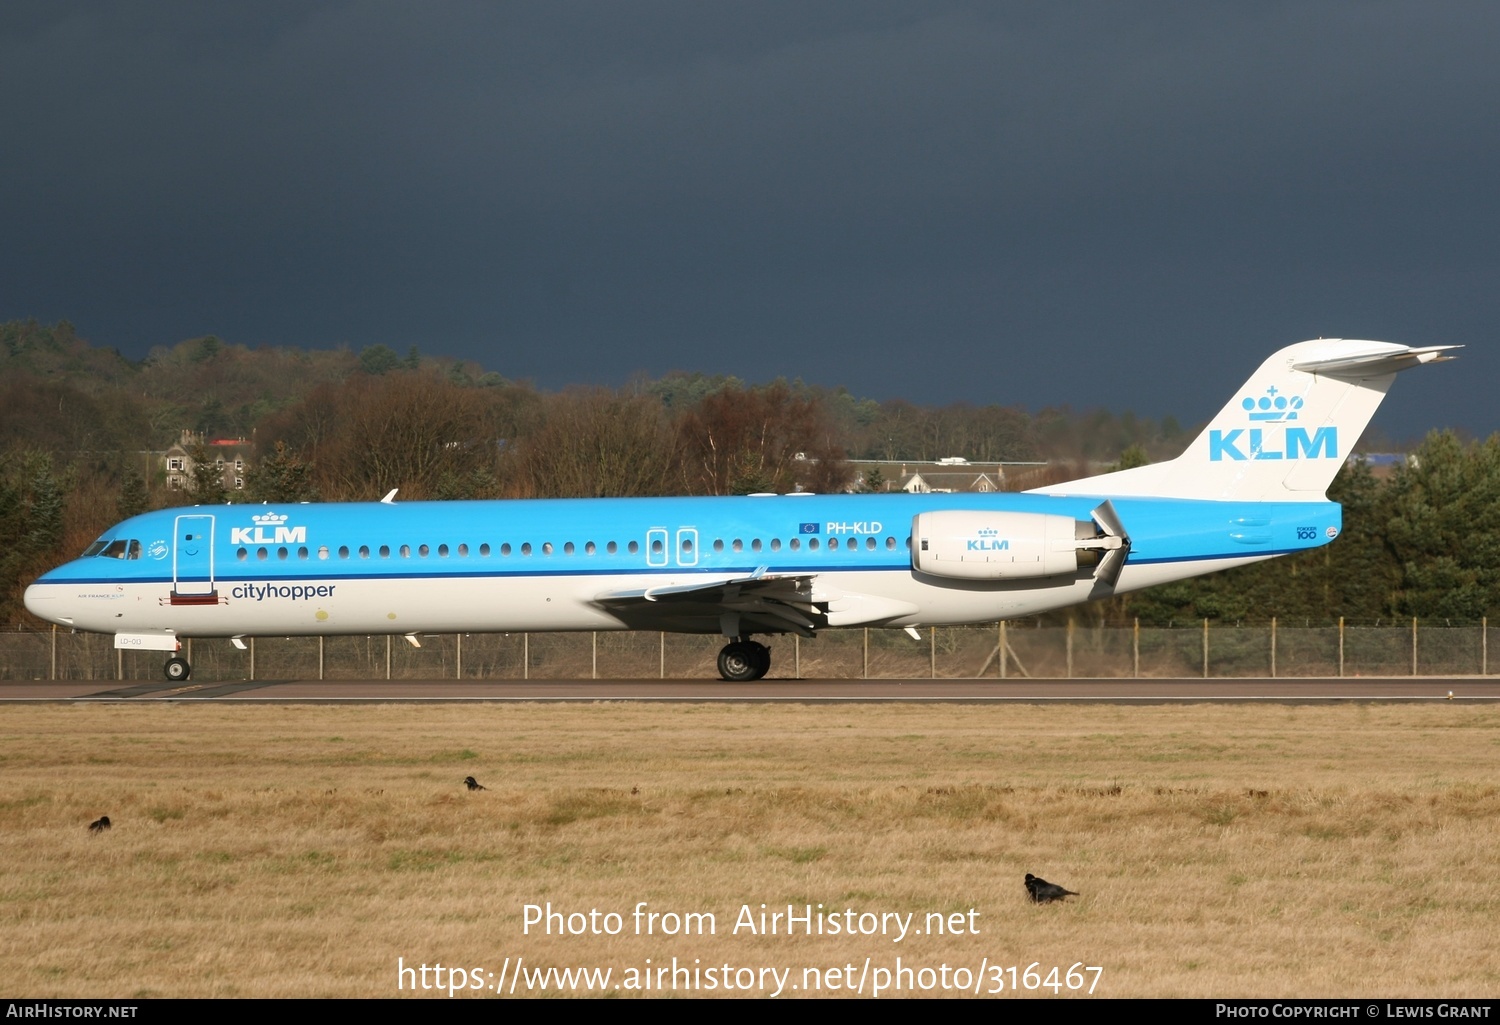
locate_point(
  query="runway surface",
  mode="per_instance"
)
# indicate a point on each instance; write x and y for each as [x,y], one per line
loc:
[1129,691]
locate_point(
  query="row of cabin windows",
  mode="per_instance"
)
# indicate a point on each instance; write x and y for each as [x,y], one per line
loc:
[568,548]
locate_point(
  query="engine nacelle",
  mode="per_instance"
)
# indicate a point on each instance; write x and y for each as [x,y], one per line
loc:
[993,545]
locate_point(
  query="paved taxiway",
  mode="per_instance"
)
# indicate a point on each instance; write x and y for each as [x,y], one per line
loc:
[1133,691]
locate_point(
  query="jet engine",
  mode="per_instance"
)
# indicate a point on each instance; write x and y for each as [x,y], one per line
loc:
[973,545]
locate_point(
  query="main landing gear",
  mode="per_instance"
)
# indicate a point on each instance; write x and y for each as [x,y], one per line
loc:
[177,669]
[741,660]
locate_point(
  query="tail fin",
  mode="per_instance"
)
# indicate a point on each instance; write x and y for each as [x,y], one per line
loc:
[1284,435]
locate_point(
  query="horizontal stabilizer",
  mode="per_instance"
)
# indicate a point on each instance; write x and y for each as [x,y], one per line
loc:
[1383,358]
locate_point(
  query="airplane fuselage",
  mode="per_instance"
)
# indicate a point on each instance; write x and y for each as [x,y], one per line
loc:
[600,564]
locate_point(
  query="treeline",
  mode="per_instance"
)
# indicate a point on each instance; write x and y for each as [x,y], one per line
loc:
[78,425]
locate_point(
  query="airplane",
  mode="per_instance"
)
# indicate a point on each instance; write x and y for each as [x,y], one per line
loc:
[1251,486]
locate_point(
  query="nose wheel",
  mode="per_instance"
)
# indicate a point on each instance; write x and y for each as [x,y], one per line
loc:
[740,661]
[177,669]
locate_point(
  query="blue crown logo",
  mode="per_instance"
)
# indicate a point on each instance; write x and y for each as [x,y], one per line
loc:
[988,532]
[1272,407]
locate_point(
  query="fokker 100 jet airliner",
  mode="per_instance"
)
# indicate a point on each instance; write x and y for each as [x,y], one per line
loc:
[1251,486]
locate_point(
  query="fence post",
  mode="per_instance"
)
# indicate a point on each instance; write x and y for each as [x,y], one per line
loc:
[594,672]
[1414,645]
[1484,645]
[866,674]
[119,663]
[320,656]
[458,656]
[796,656]
[1070,647]
[663,654]
[1205,647]
[54,652]
[1273,647]
[387,656]
[526,656]
[1135,649]
[1341,646]
[932,652]
[252,659]
[1002,650]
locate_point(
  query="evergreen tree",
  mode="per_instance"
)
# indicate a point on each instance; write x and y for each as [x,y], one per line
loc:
[133,499]
[282,477]
[207,484]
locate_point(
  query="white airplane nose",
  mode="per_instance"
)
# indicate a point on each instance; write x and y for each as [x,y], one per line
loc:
[42,603]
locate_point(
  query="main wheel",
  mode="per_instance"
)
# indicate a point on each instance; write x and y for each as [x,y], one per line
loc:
[761,655]
[738,662]
[177,669]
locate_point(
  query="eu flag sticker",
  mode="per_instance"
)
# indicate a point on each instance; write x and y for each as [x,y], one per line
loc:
[808,528]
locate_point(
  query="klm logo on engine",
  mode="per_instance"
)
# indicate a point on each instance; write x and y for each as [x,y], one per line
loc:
[989,540]
[1259,443]
[270,529]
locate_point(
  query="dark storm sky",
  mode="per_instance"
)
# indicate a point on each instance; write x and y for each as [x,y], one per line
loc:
[1115,204]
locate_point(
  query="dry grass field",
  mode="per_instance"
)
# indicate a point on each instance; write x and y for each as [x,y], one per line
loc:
[309,850]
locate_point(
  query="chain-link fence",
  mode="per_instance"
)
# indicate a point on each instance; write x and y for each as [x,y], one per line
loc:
[998,651]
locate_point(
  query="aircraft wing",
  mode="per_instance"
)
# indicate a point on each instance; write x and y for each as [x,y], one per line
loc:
[762,603]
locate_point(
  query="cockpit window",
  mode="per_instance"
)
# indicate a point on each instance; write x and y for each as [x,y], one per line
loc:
[95,548]
[121,549]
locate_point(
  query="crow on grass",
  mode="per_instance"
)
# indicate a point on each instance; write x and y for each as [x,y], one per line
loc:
[1043,892]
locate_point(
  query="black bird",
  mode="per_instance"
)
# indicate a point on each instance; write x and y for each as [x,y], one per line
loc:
[473,784]
[99,825]
[1043,892]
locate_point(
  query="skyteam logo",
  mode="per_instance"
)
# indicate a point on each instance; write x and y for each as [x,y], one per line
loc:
[1259,444]
[989,540]
[270,529]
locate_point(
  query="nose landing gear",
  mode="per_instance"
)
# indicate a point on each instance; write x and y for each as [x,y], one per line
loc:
[177,669]
[744,660]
